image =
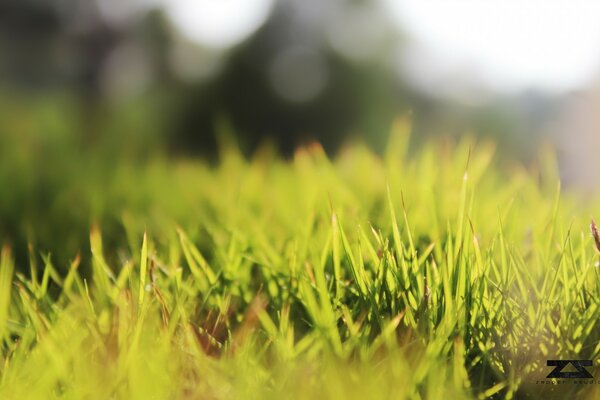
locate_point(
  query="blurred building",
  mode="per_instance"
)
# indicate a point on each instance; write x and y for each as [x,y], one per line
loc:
[578,137]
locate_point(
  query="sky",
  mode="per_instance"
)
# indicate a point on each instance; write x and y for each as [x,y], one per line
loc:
[550,45]
[453,45]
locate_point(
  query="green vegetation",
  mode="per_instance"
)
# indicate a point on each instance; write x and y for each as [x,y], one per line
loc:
[425,275]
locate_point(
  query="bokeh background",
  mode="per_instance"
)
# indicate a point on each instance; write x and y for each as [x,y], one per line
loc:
[91,82]
[168,71]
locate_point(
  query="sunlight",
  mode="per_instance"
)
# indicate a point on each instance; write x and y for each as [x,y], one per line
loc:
[220,24]
[550,45]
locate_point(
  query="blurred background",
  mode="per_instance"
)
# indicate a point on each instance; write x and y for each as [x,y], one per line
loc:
[136,78]
[170,72]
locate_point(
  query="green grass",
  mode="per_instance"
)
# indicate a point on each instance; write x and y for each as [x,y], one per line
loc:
[424,275]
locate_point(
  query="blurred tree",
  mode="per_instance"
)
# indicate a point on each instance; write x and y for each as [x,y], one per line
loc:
[288,82]
[314,70]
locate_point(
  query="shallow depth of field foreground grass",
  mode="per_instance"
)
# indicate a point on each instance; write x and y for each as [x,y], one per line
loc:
[439,274]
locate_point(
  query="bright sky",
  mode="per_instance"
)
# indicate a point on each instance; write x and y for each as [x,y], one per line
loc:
[216,23]
[505,44]
[510,44]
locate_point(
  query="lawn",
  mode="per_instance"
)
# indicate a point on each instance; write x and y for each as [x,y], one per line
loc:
[432,271]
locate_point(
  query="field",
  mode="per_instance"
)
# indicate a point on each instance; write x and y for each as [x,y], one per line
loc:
[433,271]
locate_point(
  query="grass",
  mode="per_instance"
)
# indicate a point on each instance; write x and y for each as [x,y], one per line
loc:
[418,275]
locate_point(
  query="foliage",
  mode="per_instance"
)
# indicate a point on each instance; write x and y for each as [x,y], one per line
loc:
[438,273]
